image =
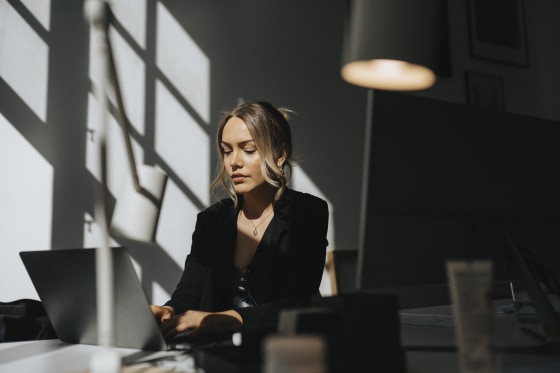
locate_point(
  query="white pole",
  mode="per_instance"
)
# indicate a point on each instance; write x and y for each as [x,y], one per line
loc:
[365,183]
[107,361]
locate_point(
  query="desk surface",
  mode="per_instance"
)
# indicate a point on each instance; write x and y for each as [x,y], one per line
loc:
[54,356]
[429,349]
[507,332]
[433,348]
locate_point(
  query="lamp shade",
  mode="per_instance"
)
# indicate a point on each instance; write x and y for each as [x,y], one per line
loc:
[395,44]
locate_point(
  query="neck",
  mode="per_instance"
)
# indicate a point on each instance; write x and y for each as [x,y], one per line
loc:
[258,202]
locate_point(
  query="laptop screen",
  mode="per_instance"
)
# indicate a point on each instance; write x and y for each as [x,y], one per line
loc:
[65,282]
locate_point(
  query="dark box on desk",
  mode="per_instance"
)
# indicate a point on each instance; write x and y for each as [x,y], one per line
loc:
[231,359]
[367,336]
[362,331]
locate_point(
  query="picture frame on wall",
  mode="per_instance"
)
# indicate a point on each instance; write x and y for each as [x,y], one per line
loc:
[485,90]
[497,31]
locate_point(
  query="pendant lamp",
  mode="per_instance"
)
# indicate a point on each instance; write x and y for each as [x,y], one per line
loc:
[396,45]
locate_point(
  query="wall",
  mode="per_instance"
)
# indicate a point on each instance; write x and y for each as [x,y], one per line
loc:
[181,63]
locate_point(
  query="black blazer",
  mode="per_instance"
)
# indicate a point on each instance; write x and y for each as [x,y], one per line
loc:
[286,269]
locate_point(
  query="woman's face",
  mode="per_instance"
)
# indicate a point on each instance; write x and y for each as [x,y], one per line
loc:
[241,158]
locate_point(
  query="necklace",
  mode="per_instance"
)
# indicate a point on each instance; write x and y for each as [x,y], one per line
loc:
[255,231]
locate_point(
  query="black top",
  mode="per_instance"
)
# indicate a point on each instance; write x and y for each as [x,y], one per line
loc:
[287,267]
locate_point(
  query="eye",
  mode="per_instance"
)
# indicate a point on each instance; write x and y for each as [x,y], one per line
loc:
[249,151]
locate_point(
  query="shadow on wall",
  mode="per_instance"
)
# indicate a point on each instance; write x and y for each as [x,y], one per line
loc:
[157,270]
[49,132]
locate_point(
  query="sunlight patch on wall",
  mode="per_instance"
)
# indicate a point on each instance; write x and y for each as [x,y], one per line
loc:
[159,295]
[183,62]
[41,10]
[24,61]
[176,223]
[131,77]
[132,15]
[92,233]
[26,195]
[131,72]
[181,142]
[119,175]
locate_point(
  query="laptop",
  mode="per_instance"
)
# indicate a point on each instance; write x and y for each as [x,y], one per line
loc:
[65,282]
[549,320]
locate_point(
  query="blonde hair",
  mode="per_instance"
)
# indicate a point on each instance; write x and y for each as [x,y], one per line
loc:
[272,135]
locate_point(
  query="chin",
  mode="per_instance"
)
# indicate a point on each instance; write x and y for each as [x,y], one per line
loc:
[240,189]
[248,188]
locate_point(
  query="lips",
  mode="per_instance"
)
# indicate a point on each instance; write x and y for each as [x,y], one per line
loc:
[238,178]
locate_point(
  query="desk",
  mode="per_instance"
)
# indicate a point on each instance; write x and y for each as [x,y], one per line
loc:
[428,349]
[54,356]
[433,349]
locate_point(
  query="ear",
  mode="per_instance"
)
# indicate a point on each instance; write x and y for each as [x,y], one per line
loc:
[282,159]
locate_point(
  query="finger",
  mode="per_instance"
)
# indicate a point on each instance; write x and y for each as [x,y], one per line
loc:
[192,333]
[167,325]
[165,316]
[173,326]
[174,332]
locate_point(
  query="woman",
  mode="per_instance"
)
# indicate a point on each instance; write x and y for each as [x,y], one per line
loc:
[259,250]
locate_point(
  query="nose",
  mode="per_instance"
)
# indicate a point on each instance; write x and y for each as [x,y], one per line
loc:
[235,160]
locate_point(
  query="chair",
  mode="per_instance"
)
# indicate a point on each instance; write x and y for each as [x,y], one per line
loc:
[341,267]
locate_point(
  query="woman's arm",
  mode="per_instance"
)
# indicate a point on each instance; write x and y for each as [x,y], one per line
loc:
[188,292]
[308,246]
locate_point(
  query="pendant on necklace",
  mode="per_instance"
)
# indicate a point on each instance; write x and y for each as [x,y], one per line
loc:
[255,232]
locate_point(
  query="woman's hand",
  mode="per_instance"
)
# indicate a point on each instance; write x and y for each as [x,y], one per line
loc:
[200,322]
[162,313]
